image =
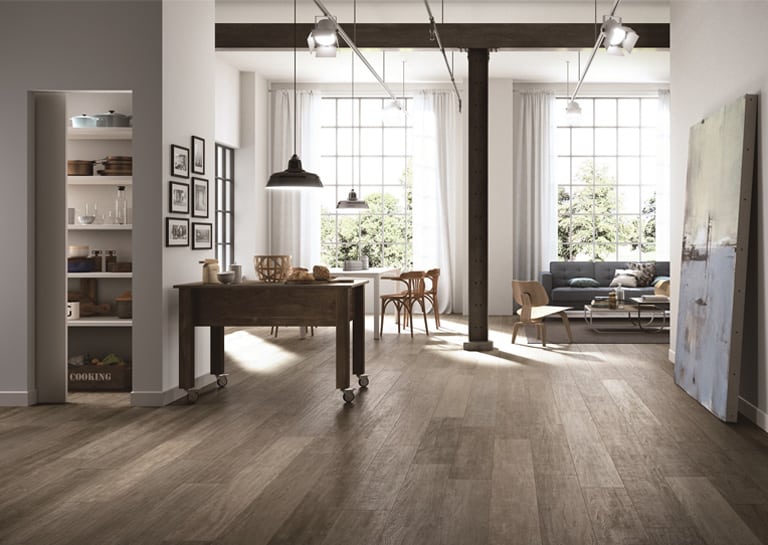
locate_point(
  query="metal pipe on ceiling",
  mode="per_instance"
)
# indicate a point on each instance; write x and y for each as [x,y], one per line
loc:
[436,34]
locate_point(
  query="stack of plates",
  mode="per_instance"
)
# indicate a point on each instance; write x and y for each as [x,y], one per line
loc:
[117,165]
[77,167]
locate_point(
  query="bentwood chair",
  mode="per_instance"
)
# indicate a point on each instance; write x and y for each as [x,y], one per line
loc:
[431,294]
[533,299]
[403,301]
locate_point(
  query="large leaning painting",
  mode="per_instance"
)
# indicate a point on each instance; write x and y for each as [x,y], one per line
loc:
[714,256]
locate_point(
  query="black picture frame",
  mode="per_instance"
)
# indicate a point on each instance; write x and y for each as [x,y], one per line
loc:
[176,232]
[198,155]
[200,198]
[202,236]
[178,197]
[179,161]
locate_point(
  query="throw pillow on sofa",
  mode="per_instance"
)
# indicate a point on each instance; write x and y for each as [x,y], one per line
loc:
[625,277]
[583,282]
[645,271]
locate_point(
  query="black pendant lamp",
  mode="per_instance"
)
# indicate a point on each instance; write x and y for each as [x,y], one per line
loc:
[352,203]
[294,177]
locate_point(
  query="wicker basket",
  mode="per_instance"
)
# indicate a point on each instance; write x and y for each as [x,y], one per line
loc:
[272,268]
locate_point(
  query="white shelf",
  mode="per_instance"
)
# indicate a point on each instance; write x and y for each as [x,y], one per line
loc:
[100,180]
[100,227]
[100,275]
[100,321]
[100,133]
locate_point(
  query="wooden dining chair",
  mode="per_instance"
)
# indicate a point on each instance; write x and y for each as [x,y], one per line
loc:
[533,299]
[412,293]
[433,275]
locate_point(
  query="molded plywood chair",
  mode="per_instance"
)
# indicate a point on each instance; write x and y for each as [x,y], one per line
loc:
[403,301]
[431,294]
[533,299]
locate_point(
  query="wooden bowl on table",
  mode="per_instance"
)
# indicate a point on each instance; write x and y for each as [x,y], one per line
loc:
[272,268]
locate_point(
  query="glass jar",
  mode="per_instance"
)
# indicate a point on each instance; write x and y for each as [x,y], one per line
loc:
[121,206]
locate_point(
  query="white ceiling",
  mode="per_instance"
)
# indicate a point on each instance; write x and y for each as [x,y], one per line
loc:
[642,66]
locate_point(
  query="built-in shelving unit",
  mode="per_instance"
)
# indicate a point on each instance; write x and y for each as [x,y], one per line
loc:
[95,336]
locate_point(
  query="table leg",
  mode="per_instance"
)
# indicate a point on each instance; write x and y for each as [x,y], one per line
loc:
[217,350]
[186,341]
[342,339]
[376,282]
[358,331]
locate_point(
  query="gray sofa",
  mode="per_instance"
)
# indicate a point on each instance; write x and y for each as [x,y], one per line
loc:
[555,281]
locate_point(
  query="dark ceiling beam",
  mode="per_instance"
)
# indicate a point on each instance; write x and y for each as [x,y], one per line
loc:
[454,35]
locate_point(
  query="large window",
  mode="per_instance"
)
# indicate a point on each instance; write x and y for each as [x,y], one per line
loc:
[225,205]
[606,180]
[366,149]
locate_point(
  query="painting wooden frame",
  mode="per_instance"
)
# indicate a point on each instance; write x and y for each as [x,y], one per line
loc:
[179,161]
[202,236]
[200,198]
[176,232]
[713,270]
[178,197]
[198,155]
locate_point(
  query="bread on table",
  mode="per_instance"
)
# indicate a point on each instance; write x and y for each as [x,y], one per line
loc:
[319,272]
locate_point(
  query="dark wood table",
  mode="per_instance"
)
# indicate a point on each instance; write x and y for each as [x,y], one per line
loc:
[267,304]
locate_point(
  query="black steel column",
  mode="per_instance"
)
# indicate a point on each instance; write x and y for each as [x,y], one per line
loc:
[477,110]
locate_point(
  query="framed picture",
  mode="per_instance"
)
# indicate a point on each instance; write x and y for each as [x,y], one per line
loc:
[176,232]
[198,155]
[179,161]
[178,197]
[199,198]
[202,236]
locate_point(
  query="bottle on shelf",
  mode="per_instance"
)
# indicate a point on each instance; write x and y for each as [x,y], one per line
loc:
[121,206]
[620,294]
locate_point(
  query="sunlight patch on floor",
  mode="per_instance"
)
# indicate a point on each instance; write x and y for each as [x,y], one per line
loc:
[256,354]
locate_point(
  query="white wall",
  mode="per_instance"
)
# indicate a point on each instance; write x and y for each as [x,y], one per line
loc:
[189,64]
[251,172]
[227,105]
[717,55]
[45,47]
[500,198]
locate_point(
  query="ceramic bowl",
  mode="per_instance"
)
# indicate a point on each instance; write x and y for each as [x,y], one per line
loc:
[85,219]
[226,277]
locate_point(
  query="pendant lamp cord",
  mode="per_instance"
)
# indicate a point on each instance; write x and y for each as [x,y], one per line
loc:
[354,39]
[295,104]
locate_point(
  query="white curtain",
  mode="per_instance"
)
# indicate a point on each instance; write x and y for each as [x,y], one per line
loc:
[437,150]
[294,215]
[662,177]
[534,205]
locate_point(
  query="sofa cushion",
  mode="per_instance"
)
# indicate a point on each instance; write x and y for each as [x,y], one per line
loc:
[583,282]
[625,278]
[645,271]
[562,271]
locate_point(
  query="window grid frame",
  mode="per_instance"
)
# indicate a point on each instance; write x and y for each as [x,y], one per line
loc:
[560,103]
[224,207]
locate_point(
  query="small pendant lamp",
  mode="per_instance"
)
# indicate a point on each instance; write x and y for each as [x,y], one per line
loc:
[352,203]
[294,177]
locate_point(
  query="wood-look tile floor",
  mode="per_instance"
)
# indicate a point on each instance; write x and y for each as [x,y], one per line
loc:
[579,444]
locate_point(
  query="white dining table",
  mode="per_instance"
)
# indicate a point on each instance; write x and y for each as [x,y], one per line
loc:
[375,274]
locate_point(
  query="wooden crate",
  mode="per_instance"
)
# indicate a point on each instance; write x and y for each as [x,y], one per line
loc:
[99,378]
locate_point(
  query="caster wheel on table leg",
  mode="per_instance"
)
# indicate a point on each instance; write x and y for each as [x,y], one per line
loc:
[193,396]
[363,381]
[348,394]
[222,380]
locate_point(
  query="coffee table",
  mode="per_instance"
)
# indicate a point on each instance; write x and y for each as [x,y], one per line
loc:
[641,316]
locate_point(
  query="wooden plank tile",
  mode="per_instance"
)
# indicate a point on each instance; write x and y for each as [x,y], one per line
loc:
[714,519]
[474,454]
[415,518]
[514,515]
[590,457]
[465,512]
[630,404]
[382,480]
[353,527]
[614,520]
[440,442]
[481,406]
[679,535]
[563,515]
[455,397]
[551,453]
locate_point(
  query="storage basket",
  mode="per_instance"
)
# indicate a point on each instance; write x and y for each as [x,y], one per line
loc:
[272,268]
